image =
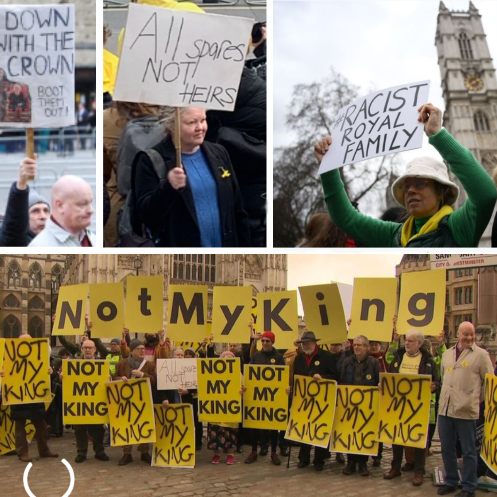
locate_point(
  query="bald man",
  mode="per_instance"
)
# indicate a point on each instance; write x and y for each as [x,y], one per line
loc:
[463,374]
[71,215]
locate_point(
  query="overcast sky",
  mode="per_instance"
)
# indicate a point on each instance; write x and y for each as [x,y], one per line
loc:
[372,43]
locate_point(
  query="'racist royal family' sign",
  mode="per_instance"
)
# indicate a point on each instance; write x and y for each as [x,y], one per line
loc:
[382,123]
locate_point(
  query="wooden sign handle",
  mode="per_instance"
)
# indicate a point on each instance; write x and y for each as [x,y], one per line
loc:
[177,134]
[30,145]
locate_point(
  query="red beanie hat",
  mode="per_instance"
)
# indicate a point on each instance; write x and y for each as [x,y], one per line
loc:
[270,335]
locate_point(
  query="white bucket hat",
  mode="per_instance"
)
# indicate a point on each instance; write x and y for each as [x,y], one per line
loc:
[427,168]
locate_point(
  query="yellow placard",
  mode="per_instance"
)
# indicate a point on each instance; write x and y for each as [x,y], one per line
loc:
[373,308]
[313,410]
[2,349]
[219,386]
[231,314]
[144,303]
[84,398]
[253,314]
[422,302]
[107,310]
[355,427]
[404,409]
[131,412]
[47,404]
[265,401]
[7,431]
[187,312]
[26,367]
[323,310]
[71,310]
[175,445]
[489,445]
[277,312]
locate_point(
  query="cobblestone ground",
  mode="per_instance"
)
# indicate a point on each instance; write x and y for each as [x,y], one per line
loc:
[50,478]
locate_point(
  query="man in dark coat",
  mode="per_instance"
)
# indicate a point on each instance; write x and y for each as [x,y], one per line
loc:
[318,364]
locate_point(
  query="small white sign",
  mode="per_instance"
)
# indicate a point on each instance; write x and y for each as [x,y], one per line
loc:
[176,373]
[182,59]
[462,261]
[382,123]
[37,66]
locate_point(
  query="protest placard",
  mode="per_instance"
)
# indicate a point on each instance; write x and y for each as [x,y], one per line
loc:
[253,313]
[176,373]
[144,303]
[37,66]
[312,412]
[71,310]
[219,386]
[193,60]
[84,398]
[373,308]
[107,310]
[131,412]
[7,431]
[2,348]
[277,312]
[355,427]
[489,445]
[265,401]
[422,302]
[231,312]
[175,445]
[187,310]
[324,313]
[384,122]
[404,409]
[26,365]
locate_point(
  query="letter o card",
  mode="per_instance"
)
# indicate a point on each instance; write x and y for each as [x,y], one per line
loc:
[107,310]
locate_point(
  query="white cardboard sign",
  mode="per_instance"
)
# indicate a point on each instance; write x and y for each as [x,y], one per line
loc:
[37,66]
[182,59]
[382,123]
[176,373]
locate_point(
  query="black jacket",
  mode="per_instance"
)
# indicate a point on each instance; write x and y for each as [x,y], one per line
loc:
[370,371]
[15,231]
[271,358]
[323,363]
[171,214]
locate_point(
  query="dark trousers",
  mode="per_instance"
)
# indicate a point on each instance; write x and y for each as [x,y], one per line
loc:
[97,434]
[142,448]
[356,459]
[319,454]
[264,437]
[41,436]
[419,458]
[380,452]
[199,428]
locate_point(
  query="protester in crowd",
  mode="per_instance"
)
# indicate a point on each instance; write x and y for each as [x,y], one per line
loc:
[83,120]
[190,353]
[413,359]
[364,370]
[197,203]
[320,231]
[427,193]
[135,366]
[463,374]
[36,414]
[71,215]
[53,416]
[318,364]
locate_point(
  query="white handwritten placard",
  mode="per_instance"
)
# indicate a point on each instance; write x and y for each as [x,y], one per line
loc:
[176,373]
[37,66]
[182,59]
[382,123]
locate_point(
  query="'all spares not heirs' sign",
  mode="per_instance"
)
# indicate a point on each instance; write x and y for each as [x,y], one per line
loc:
[37,66]
[182,59]
[382,123]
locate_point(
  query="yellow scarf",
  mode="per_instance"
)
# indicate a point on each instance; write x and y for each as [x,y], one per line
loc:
[428,227]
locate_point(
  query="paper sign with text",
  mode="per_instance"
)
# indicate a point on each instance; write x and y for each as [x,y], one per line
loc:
[404,409]
[176,373]
[71,310]
[37,66]
[355,427]
[384,122]
[175,445]
[182,59]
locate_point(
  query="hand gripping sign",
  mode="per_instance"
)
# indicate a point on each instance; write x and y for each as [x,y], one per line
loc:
[382,123]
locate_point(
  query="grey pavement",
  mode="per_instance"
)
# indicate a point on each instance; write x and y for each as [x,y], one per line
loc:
[50,478]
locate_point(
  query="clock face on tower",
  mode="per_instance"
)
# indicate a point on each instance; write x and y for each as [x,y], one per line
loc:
[473,83]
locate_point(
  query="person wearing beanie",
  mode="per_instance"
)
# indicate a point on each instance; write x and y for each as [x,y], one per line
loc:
[135,366]
[427,193]
[268,356]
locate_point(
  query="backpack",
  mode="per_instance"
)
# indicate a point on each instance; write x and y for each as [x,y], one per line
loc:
[139,134]
[130,229]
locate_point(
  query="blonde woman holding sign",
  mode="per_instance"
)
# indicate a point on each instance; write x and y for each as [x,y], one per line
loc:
[427,193]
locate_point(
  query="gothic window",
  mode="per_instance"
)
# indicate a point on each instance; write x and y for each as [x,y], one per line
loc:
[465,47]
[35,276]
[481,121]
[56,278]
[35,327]
[14,274]
[36,304]
[11,301]
[195,268]
[11,327]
